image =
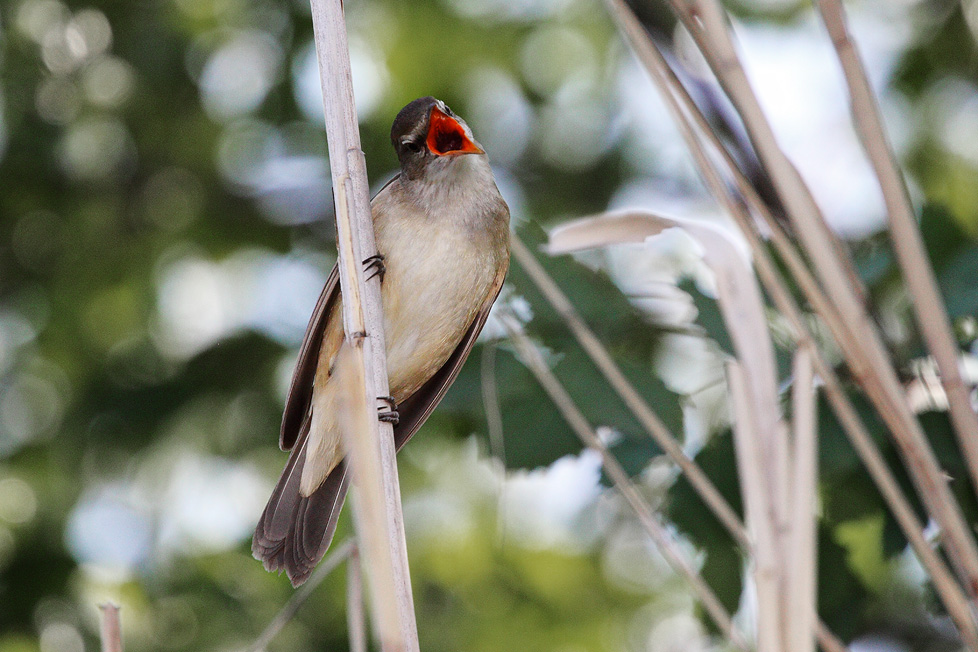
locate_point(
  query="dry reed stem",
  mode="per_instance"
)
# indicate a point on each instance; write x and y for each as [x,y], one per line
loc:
[693,125]
[490,400]
[674,93]
[374,533]
[653,425]
[760,433]
[867,356]
[356,622]
[531,357]
[328,565]
[631,228]
[702,18]
[761,524]
[909,247]
[494,424]
[801,598]
[865,447]
[645,415]
[110,627]
[363,324]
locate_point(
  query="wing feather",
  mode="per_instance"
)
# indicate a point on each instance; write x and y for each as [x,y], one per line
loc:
[300,391]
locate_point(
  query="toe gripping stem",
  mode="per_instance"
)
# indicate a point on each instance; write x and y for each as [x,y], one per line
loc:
[390,414]
[375,266]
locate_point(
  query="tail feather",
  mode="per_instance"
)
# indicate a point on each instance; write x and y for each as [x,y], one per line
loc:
[295,531]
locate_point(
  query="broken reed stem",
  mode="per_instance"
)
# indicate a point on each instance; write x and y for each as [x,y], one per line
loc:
[363,324]
[110,627]
[909,247]
[865,351]
[801,594]
[673,93]
[576,420]
[633,400]
[356,622]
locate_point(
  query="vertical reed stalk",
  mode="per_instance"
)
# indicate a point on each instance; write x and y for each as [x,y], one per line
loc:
[380,523]
[801,598]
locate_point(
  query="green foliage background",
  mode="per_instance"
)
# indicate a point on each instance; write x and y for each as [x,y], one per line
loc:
[103,186]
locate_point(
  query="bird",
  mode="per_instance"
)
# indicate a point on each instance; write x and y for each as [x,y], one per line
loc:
[442,232]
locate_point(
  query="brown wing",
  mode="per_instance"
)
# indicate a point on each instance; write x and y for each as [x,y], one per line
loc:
[295,531]
[300,392]
[413,411]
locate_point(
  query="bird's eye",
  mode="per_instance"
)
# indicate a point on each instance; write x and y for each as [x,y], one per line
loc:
[412,146]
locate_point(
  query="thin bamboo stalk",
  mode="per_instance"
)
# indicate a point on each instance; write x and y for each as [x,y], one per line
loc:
[582,428]
[363,324]
[909,247]
[110,628]
[870,361]
[801,594]
[674,94]
[282,618]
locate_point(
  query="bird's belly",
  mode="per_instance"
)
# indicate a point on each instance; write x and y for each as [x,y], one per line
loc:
[431,293]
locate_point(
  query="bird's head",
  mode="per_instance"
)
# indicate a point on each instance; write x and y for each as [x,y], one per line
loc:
[426,134]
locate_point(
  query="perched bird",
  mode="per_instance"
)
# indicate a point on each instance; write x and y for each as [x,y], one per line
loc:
[442,233]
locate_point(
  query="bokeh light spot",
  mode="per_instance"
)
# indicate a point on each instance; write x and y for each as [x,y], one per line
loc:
[18,503]
[96,149]
[238,76]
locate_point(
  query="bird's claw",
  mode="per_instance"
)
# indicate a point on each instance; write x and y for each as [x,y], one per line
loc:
[375,264]
[389,415]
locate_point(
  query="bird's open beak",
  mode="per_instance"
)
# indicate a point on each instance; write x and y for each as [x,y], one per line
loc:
[446,136]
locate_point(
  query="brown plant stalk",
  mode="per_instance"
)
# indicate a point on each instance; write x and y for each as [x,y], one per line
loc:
[640,408]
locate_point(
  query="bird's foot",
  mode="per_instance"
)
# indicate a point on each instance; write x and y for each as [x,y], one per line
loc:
[375,265]
[389,415]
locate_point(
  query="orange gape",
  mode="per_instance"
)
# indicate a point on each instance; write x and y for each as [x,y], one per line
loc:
[446,136]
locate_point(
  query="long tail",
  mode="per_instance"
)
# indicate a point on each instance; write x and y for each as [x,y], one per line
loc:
[295,531]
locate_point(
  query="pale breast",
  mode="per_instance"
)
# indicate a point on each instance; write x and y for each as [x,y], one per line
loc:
[437,279]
